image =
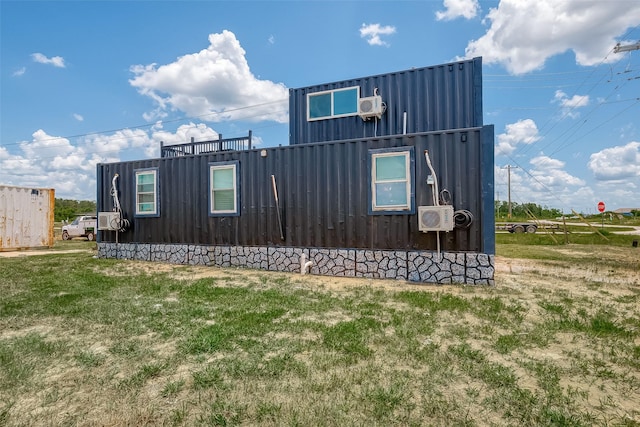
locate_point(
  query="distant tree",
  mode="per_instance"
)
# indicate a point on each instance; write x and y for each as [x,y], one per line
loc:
[69,209]
[525,210]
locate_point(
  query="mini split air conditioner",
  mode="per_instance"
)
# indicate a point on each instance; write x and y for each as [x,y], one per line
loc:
[435,218]
[371,106]
[108,220]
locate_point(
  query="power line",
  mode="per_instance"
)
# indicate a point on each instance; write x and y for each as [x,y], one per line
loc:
[544,130]
[594,128]
[577,125]
[88,153]
[184,119]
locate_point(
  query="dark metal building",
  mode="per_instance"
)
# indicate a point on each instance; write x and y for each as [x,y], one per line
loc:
[323,195]
[368,159]
[441,97]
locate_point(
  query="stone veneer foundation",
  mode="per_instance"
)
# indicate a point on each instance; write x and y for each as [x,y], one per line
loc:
[415,266]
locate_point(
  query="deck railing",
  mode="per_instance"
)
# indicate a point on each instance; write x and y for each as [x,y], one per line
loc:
[205,147]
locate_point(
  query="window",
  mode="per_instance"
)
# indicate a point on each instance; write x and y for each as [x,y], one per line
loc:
[147,192]
[333,103]
[392,179]
[224,198]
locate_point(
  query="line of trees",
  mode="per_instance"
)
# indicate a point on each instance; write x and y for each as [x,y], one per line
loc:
[66,209]
[525,210]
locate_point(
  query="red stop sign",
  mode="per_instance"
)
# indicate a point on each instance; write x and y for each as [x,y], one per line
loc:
[601,207]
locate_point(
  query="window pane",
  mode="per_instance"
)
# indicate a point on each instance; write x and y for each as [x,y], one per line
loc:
[391,194]
[146,207]
[391,167]
[146,188]
[146,192]
[345,101]
[223,200]
[146,178]
[146,198]
[319,105]
[223,178]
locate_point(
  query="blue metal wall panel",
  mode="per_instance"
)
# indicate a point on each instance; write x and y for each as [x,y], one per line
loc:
[323,194]
[488,188]
[447,96]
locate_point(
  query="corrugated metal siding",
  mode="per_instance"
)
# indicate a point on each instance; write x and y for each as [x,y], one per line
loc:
[323,191]
[26,217]
[435,98]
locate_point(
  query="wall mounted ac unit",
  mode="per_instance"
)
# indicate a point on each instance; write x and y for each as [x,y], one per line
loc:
[371,106]
[108,220]
[435,218]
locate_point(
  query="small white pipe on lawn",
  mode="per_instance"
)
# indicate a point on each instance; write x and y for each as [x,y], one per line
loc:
[304,264]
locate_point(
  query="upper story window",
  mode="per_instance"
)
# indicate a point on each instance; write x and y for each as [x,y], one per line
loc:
[333,103]
[147,192]
[392,176]
[224,197]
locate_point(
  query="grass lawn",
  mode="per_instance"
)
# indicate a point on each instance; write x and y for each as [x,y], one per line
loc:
[96,342]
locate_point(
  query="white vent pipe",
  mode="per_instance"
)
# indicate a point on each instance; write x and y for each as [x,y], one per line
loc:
[304,264]
[404,123]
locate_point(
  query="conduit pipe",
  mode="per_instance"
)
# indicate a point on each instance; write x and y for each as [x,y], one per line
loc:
[275,194]
[435,193]
[122,224]
[404,123]
[114,193]
[304,264]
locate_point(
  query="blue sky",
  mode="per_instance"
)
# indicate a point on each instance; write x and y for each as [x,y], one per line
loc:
[89,82]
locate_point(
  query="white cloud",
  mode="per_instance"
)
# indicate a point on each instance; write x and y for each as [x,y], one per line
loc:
[548,174]
[184,133]
[19,72]
[467,9]
[271,39]
[522,132]
[372,33]
[214,84]
[616,163]
[569,105]
[45,146]
[618,194]
[156,114]
[78,117]
[525,33]
[546,163]
[54,162]
[546,184]
[56,61]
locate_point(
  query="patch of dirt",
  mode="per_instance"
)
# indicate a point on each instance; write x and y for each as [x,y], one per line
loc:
[613,277]
[34,252]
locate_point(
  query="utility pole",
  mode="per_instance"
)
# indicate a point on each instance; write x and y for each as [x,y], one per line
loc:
[508,167]
[627,48]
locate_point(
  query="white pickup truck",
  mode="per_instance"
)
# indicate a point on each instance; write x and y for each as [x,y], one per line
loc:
[82,226]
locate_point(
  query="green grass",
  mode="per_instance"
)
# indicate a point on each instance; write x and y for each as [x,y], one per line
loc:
[586,237]
[87,341]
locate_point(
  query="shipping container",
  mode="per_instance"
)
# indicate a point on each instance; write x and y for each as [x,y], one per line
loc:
[26,217]
[440,97]
[324,195]
[384,176]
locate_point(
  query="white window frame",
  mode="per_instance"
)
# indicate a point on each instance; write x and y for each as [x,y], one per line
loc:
[332,114]
[156,207]
[407,180]
[236,201]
